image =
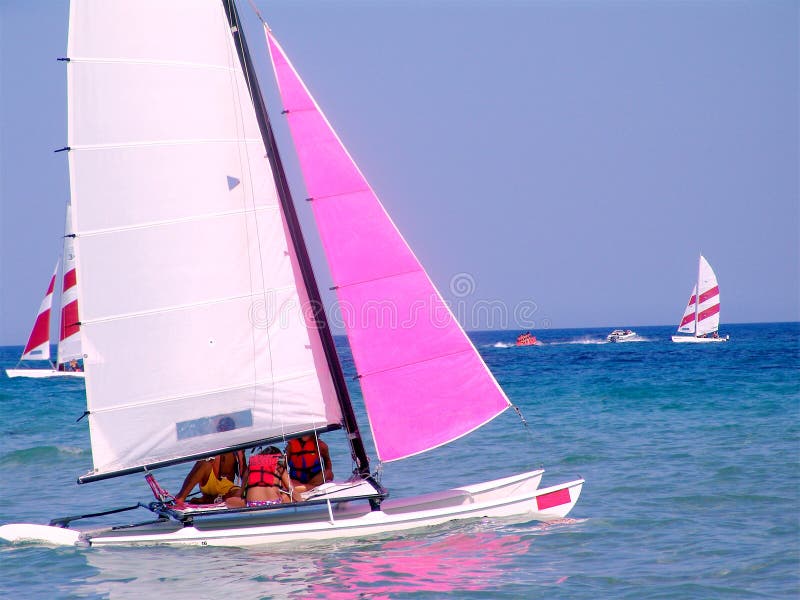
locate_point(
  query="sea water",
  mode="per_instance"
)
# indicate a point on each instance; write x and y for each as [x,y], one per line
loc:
[691,455]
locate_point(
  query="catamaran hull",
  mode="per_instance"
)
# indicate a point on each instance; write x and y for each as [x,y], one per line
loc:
[690,339]
[515,497]
[37,373]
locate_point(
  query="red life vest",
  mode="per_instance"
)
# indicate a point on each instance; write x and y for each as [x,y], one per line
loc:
[304,460]
[264,471]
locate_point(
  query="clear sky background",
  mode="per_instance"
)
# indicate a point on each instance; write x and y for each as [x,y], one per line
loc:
[573,155]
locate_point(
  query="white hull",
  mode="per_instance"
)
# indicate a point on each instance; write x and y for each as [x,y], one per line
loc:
[621,338]
[690,339]
[510,497]
[37,373]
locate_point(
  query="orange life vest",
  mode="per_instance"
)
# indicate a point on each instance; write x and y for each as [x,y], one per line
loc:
[304,460]
[264,471]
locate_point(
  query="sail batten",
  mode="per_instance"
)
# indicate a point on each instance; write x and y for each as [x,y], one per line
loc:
[425,383]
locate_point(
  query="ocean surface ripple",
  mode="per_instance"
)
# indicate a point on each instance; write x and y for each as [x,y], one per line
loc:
[691,456]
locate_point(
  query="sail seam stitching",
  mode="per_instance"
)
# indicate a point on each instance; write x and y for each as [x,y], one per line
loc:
[182,142]
[139,404]
[344,285]
[155,224]
[179,307]
[159,63]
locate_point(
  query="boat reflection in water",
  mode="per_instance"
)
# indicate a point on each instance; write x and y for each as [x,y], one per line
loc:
[457,562]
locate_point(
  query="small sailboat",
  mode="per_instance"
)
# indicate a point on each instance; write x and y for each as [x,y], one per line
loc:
[191,253]
[69,355]
[700,321]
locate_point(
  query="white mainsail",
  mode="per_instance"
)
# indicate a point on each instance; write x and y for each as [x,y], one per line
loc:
[190,295]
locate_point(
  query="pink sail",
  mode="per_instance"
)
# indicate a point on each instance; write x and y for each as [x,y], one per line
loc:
[38,346]
[423,382]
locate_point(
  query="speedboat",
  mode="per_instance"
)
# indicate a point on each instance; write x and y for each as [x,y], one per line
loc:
[621,335]
[526,339]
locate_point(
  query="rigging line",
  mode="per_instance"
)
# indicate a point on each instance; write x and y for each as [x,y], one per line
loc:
[311,414]
[245,165]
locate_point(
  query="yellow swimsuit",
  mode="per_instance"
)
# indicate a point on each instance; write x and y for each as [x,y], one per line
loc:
[216,487]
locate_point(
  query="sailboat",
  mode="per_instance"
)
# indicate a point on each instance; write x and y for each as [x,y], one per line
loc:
[184,199]
[700,321]
[69,352]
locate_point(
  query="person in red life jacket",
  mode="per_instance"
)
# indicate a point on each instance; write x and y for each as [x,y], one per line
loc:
[266,481]
[309,462]
[216,475]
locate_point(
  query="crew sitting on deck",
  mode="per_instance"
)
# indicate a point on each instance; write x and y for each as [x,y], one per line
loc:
[216,475]
[267,481]
[309,462]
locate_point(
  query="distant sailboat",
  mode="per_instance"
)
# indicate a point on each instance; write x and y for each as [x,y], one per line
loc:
[69,339]
[701,318]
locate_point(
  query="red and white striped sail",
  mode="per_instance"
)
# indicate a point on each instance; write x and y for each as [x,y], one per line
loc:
[423,382]
[688,320]
[702,313]
[38,346]
[69,343]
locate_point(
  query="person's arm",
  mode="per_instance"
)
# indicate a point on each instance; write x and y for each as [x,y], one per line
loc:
[326,461]
[192,479]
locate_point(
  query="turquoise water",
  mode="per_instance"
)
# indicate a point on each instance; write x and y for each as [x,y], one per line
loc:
[691,456]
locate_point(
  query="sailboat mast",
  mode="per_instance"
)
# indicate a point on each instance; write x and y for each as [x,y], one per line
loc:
[284,194]
[697,299]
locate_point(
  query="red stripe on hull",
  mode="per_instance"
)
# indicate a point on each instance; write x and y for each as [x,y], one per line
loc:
[553,499]
[709,294]
[708,312]
[70,279]
[41,331]
[69,319]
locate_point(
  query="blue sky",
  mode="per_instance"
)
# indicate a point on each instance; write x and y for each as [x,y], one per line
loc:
[573,157]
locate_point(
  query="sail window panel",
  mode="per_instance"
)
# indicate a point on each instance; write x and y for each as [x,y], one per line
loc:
[360,242]
[137,185]
[127,29]
[143,435]
[328,170]
[122,103]
[166,266]
[398,321]
[422,406]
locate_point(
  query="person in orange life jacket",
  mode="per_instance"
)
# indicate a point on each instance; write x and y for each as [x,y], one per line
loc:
[266,481]
[309,462]
[216,475]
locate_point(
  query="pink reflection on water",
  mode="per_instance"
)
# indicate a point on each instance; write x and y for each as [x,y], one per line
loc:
[463,562]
